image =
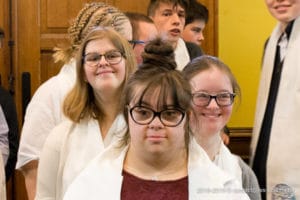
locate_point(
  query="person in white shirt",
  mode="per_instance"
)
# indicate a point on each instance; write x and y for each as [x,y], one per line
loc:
[276,137]
[44,110]
[169,19]
[104,62]
[214,89]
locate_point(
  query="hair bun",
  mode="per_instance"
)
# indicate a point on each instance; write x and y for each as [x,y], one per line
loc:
[159,53]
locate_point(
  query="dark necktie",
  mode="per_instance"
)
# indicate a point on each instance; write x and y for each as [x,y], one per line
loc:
[261,154]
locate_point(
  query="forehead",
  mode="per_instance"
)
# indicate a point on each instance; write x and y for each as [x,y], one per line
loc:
[163,6]
[147,31]
[151,97]
[198,23]
[211,80]
[100,44]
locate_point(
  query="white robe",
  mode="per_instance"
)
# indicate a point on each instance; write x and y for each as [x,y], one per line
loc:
[283,164]
[102,178]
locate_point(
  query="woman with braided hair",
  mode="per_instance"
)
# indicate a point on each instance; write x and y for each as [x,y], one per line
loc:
[44,111]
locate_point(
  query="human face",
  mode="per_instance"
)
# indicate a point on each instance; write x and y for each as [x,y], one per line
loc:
[104,76]
[169,21]
[193,32]
[211,118]
[284,10]
[146,32]
[155,137]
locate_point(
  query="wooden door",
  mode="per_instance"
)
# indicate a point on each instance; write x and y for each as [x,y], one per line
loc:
[40,25]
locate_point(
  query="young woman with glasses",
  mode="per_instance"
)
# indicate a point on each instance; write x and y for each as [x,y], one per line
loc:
[104,62]
[155,158]
[44,111]
[214,89]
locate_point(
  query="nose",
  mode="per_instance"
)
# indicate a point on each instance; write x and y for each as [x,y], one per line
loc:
[102,60]
[212,103]
[201,37]
[156,123]
[175,19]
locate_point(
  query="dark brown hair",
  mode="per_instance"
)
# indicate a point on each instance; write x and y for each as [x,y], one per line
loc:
[158,71]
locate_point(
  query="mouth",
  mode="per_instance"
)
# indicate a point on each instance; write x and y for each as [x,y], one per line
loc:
[281,8]
[156,138]
[211,115]
[175,32]
[103,72]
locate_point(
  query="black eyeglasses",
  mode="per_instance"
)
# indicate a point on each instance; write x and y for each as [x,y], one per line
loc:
[93,59]
[169,117]
[135,42]
[204,99]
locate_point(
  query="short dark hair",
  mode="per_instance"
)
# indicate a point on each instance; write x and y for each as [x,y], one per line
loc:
[153,5]
[135,18]
[196,11]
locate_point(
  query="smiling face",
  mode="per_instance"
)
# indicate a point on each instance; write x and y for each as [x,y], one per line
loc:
[193,32]
[284,10]
[104,76]
[169,21]
[211,118]
[155,137]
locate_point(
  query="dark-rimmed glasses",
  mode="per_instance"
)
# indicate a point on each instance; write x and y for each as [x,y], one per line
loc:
[169,117]
[93,59]
[204,99]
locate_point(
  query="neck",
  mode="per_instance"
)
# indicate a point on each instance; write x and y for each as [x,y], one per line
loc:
[210,143]
[109,105]
[169,166]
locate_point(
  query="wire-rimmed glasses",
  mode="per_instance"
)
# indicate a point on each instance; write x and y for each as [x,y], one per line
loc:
[135,42]
[93,59]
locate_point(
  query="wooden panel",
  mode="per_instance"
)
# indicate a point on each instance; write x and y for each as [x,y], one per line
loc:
[210,44]
[135,6]
[240,139]
[4,48]
[48,67]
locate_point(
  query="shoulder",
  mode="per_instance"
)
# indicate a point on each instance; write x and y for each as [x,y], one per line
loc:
[249,180]
[101,177]
[193,49]
[60,83]
[59,133]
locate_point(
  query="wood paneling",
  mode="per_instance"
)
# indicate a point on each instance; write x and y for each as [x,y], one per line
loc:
[4,48]
[240,139]
[210,44]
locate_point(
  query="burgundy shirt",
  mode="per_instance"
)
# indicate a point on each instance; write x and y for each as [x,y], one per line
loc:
[134,188]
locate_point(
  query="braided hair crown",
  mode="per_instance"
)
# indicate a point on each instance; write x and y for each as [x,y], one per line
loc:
[90,16]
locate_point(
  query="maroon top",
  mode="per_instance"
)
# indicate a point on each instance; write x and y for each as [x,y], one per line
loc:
[134,188]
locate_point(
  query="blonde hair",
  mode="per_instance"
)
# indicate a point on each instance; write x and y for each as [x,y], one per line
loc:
[90,16]
[80,103]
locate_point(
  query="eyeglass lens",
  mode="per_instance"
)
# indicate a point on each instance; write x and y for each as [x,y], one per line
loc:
[143,115]
[112,57]
[204,99]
